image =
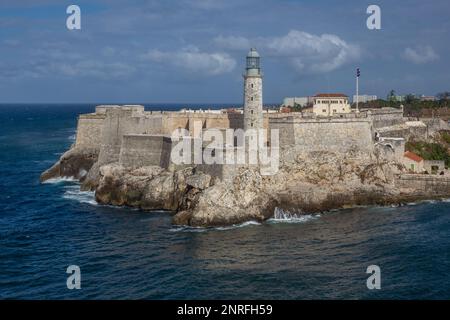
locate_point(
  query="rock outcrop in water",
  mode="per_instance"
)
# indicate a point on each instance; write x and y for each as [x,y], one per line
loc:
[75,163]
[313,182]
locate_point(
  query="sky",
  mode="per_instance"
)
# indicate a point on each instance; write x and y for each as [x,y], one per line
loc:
[193,51]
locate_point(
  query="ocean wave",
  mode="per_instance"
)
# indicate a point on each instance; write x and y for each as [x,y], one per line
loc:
[205,229]
[74,193]
[285,216]
[60,180]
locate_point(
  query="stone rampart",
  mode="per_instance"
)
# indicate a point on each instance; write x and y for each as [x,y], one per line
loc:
[140,150]
[89,130]
[330,134]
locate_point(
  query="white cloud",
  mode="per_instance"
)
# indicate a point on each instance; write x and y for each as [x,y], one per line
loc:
[191,59]
[96,69]
[307,52]
[233,43]
[420,55]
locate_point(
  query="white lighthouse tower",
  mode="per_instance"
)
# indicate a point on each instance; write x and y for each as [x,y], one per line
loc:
[253,104]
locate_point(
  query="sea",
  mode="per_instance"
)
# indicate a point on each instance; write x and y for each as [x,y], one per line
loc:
[124,253]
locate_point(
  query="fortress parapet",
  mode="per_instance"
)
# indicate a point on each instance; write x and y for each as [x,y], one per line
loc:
[339,135]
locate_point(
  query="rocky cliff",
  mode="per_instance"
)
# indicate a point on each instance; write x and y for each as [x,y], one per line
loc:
[310,182]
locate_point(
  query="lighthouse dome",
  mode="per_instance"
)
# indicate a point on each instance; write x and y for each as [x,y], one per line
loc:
[253,53]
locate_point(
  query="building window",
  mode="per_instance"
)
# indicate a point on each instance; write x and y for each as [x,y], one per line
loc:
[334,110]
[252,85]
[251,111]
[251,98]
[324,110]
[251,124]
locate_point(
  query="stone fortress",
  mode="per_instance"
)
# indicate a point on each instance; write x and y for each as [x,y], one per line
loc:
[129,138]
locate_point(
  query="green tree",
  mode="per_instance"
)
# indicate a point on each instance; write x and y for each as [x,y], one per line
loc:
[410,99]
[391,96]
[443,95]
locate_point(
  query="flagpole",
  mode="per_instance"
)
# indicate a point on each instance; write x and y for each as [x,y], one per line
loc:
[357,94]
[357,90]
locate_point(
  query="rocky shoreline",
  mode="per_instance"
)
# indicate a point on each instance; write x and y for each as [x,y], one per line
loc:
[311,183]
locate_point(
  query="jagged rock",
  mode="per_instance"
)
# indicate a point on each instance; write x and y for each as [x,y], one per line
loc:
[75,163]
[313,182]
[148,188]
[199,181]
[92,178]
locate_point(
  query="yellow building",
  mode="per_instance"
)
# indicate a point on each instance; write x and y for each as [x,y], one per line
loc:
[328,104]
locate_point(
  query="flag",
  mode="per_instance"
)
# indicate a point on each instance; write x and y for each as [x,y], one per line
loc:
[358,72]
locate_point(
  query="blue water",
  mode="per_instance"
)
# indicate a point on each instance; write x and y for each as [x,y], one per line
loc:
[128,254]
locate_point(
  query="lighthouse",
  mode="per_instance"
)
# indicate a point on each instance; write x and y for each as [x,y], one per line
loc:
[253,104]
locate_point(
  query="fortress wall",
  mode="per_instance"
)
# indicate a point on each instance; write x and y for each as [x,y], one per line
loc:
[139,150]
[385,117]
[122,121]
[407,133]
[89,130]
[117,123]
[335,134]
[285,126]
[435,124]
[148,124]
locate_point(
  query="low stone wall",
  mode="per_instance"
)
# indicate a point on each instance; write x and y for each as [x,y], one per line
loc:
[385,117]
[435,124]
[408,130]
[425,184]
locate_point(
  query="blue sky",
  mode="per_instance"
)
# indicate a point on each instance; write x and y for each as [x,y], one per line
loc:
[193,51]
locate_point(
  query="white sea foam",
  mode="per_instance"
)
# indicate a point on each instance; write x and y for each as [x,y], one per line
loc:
[204,229]
[285,216]
[240,225]
[59,180]
[74,193]
[73,137]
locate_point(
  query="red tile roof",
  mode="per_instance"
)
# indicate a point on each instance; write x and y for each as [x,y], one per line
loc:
[332,95]
[413,156]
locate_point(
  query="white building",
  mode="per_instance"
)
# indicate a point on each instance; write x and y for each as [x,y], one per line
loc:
[427,98]
[328,104]
[365,98]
